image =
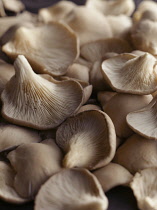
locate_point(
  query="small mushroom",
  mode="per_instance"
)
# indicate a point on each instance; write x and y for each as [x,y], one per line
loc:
[34,163]
[145,188]
[128,73]
[137,153]
[7,191]
[72,189]
[54,55]
[88,140]
[13,5]
[113,175]
[119,106]
[33,101]
[56,12]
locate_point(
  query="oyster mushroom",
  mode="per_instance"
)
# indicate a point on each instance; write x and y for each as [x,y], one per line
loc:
[128,73]
[89,107]
[113,175]
[34,163]
[54,55]
[79,188]
[33,101]
[145,188]
[88,140]
[105,96]
[137,153]
[7,191]
[13,5]
[119,106]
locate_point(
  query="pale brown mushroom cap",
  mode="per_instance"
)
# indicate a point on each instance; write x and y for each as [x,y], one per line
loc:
[89,107]
[34,163]
[137,153]
[7,191]
[88,140]
[145,188]
[127,73]
[44,47]
[112,175]
[71,189]
[13,5]
[33,101]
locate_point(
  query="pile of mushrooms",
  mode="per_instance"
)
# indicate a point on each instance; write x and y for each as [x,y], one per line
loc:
[78,103]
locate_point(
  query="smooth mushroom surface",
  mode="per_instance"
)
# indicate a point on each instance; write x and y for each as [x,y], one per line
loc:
[88,140]
[7,191]
[73,189]
[89,107]
[113,175]
[13,5]
[2,10]
[47,51]
[145,189]
[137,153]
[34,163]
[32,101]
[128,73]
[104,96]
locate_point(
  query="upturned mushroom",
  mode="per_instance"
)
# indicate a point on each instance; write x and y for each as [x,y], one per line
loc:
[145,189]
[34,163]
[137,153]
[113,175]
[88,140]
[33,101]
[79,188]
[128,73]
[44,47]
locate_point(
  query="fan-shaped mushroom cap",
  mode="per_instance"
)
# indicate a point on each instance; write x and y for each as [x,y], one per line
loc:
[89,25]
[71,189]
[54,55]
[112,175]
[96,50]
[7,191]
[56,12]
[112,7]
[144,36]
[32,101]
[12,135]
[88,140]
[143,121]
[34,163]
[130,74]
[13,5]
[119,106]
[145,188]
[137,153]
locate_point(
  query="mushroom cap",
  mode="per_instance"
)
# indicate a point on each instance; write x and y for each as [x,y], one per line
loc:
[96,50]
[33,101]
[104,96]
[108,180]
[88,140]
[119,106]
[89,24]
[44,47]
[7,191]
[56,12]
[41,160]
[79,188]
[127,73]
[143,121]
[137,153]
[13,5]
[145,189]
[89,107]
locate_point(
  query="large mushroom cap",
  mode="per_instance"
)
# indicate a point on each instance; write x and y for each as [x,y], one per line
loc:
[88,140]
[71,189]
[30,100]
[145,188]
[131,74]
[34,163]
[44,47]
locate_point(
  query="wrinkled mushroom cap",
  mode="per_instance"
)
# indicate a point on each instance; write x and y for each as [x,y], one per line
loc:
[130,74]
[79,188]
[88,140]
[33,101]
[145,189]
[41,160]
[54,55]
